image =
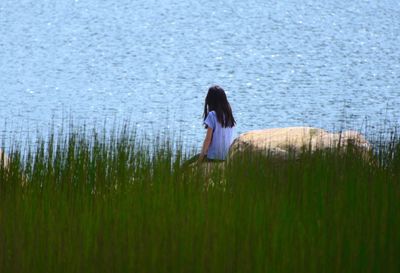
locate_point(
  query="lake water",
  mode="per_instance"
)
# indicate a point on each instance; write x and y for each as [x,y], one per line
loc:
[328,64]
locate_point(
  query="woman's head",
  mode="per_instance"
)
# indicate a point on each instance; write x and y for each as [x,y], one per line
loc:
[217,101]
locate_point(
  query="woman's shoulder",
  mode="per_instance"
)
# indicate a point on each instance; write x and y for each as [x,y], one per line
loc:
[212,115]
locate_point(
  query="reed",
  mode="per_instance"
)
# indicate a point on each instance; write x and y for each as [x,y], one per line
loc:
[80,202]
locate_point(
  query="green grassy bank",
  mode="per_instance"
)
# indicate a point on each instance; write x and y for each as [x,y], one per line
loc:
[84,203]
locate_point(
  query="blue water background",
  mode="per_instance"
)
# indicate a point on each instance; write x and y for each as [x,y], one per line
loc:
[328,64]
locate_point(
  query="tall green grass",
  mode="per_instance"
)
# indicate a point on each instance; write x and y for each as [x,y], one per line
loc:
[82,202]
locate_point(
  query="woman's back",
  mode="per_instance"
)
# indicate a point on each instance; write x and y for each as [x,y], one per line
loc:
[222,138]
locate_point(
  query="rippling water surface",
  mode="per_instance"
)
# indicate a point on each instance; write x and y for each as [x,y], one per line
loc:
[283,63]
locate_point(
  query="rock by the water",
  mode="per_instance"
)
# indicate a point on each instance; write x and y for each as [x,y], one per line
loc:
[279,141]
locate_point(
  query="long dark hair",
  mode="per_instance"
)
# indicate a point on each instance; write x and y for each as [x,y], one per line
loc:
[217,101]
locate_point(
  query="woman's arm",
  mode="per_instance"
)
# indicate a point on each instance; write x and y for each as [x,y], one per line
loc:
[206,144]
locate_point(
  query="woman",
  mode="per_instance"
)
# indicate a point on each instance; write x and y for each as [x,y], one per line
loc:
[220,123]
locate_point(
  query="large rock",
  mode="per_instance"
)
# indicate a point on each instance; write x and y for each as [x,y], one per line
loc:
[279,141]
